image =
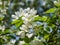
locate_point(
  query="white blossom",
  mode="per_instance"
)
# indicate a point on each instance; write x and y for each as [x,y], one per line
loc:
[14,17]
[21,42]
[13,41]
[21,34]
[28,16]
[29,35]
[55,2]
[24,29]
[2,27]
[36,41]
[0,3]
[3,11]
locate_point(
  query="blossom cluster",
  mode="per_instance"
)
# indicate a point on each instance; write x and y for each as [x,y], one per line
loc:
[27,15]
[28,18]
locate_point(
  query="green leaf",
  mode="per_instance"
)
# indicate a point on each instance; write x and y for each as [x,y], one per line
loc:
[46,36]
[44,18]
[52,10]
[57,4]
[1,18]
[6,31]
[16,21]
[38,18]
[2,41]
[0,32]
[19,23]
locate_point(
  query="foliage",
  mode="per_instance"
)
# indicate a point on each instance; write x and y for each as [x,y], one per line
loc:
[26,23]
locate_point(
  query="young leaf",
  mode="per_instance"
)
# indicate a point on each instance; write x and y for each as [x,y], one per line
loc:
[19,23]
[52,10]
[16,21]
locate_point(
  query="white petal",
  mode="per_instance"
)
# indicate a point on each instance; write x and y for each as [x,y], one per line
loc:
[13,41]
[21,42]
[29,35]
[0,3]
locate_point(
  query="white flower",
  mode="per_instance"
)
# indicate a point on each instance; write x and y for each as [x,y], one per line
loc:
[21,3]
[21,42]
[2,27]
[29,35]
[55,2]
[17,14]
[36,42]
[14,17]
[3,11]
[24,29]
[0,3]
[24,19]
[28,9]
[13,41]
[33,12]
[30,26]
[25,26]
[21,28]
[28,17]
[21,34]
